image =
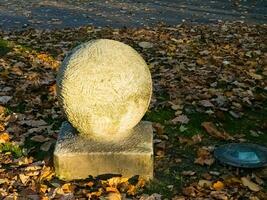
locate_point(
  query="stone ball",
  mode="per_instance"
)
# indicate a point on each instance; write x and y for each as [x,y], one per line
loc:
[104,88]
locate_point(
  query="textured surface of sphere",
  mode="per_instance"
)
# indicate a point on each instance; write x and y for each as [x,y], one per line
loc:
[104,87]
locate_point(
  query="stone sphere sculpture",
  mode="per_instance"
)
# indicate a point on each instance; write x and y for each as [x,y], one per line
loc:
[104,88]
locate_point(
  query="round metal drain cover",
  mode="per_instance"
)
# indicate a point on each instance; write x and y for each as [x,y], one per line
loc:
[242,155]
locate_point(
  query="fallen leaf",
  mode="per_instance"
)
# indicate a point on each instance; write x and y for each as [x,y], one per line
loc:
[218,185]
[2,127]
[188,173]
[183,119]
[256,76]
[46,174]
[39,138]
[24,178]
[200,61]
[219,195]
[4,137]
[2,110]
[204,157]
[5,99]
[46,146]
[33,123]
[159,128]
[112,189]
[115,181]
[251,185]
[114,196]
[145,45]
[190,191]
[154,196]
[213,131]
[68,188]
[190,141]
[205,183]
[182,128]
[43,188]
[206,103]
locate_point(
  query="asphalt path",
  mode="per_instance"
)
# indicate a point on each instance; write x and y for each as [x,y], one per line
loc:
[51,14]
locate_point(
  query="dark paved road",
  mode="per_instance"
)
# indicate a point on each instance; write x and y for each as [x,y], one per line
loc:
[15,14]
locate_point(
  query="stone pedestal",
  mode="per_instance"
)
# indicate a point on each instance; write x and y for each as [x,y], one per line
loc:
[77,157]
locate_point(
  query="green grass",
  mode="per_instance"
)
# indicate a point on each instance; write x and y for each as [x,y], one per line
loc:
[14,149]
[170,174]
[4,47]
[161,115]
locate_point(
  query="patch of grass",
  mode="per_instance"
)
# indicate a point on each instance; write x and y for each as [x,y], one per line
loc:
[14,149]
[162,115]
[194,125]
[4,47]
[159,187]
[252,120]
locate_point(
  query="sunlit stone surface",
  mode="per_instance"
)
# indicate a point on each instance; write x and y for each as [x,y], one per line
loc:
[76,157]
[104,87]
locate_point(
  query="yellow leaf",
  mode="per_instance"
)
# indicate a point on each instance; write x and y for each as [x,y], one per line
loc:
[251,185]
[90,184]
[141,183]
[24,179]
[113,182]
[218,185]
[95,194]
[256,76]
[43,188]
[4,137]
[131,190]
[67,188]
[112,189]
[114,196]
[204,183]
[2,110]
[2,127]
[46,174]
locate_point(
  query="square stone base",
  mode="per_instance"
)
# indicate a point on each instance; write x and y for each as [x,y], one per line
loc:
[76,157]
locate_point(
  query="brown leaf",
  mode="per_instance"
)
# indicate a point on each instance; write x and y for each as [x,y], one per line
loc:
[204,157]
[213,131]
[200,61]
[39,138]
[46,146]
[190,141]
[219,195]
[190,191]
[159,128]
[183,119]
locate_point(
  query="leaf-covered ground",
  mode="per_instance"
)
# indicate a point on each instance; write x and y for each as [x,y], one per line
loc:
[210,88]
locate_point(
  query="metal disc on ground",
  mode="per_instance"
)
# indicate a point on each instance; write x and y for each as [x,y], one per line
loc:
[242,155]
